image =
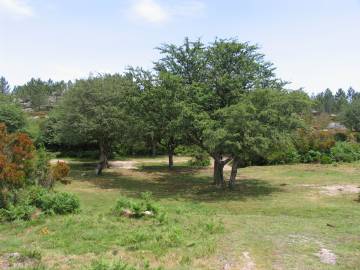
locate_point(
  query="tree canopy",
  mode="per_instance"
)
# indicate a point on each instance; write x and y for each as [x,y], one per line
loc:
[96,110]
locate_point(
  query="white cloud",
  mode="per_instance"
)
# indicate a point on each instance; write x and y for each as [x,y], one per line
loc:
[16,8]
[150,11]
[155,11]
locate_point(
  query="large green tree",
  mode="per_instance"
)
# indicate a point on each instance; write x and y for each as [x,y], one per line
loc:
[159,108]
[259,124]
[96,110]
[216,76]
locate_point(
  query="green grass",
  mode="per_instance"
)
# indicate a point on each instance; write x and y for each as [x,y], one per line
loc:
[271,215]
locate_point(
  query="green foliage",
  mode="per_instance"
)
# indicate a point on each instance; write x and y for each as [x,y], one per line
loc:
[39,93]
[11,114]
[95,111]
[60,203]
[199,159]
[351,116]
[21,211]
[326,159]
[42,166]
[340,137]
[33,195]
[312,156]
[26,200]
[137,207]
[103,265]
[346,152]
[285,155]
[158,109]
[329,103]
[4,86]
[260,124]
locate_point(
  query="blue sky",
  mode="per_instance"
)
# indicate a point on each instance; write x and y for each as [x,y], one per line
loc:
[315,44]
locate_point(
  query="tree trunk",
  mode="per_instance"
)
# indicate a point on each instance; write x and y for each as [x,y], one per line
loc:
[171,158]
[233,174]
[153,146]
[219,165]
[216,168]
[103,161]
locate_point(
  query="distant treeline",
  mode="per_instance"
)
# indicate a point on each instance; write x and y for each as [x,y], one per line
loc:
[331,103]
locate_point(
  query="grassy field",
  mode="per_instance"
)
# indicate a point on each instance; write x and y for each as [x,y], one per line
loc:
[279,217]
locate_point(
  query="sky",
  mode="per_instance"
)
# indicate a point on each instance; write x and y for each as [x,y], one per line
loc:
[314,44]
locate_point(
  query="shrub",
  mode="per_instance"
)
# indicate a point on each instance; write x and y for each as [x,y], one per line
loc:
[346,152]
[340,137]
[12,115]
[312,156]
[199,160]
[136,207]
[326,159]
[59,171]
[285,156]
[42,161]
[38,197]
[59,203]
[34,194]
[16,212]
[16,153]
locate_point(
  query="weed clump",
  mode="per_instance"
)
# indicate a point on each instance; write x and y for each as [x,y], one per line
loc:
[137,208]
[39,199]
[103,265]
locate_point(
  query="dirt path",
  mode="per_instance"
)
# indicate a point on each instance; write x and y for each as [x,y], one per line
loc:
[326,256]
[334,190]
[129,165]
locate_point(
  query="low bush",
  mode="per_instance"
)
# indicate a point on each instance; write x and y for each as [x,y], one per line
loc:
[21,211]
[340,137]
[326,159]
[287,156]
[199,159]
[60,203]
[48,202]
[346,152]
[145,206]
[312,156]
[33,195]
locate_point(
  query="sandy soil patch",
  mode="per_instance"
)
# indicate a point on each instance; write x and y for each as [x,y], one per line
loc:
[249,263]
[334,190]
[129,165]
[326,256]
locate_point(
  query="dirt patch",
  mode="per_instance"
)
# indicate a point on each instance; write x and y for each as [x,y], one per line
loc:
[249,264]
[334,190]
[129,165]
[326,256]
[17,261]
[339,189]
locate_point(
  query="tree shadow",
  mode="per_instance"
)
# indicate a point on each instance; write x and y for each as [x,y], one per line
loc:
[180,182]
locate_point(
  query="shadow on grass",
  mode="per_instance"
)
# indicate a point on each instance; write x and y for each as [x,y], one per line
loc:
[180,182]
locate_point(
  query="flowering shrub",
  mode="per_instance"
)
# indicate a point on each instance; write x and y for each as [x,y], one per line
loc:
[16,153]
[60,171]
